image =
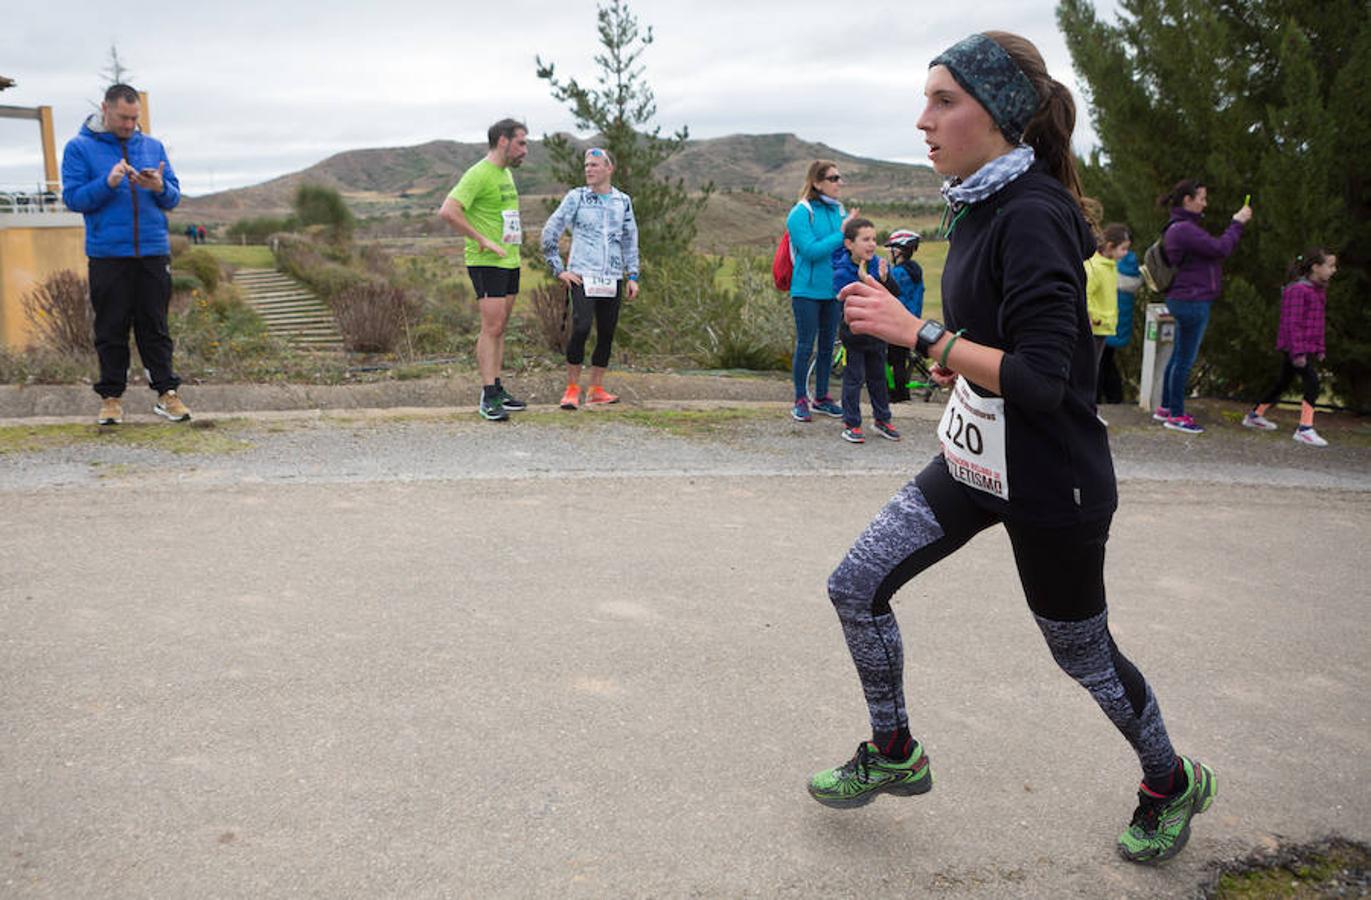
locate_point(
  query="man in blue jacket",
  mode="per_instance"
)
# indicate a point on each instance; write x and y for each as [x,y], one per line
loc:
[122,182]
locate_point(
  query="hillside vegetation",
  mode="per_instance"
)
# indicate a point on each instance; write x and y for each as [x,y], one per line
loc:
[395,180]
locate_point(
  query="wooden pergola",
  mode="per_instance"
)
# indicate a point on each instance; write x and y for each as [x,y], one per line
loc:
[43,115]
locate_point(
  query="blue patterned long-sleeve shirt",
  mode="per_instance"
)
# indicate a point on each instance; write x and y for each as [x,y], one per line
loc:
[604,234]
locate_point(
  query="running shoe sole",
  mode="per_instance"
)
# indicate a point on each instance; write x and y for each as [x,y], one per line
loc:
[166,415]
[1176,426]
[901,789]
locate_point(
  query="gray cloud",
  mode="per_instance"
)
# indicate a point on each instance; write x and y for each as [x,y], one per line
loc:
[246,91]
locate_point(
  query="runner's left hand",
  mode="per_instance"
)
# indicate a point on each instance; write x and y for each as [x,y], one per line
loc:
[632,289]
[942,377]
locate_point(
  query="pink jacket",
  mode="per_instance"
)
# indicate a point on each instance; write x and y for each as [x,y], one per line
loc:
[1302,305]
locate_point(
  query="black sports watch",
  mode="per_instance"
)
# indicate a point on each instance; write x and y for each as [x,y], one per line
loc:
[928,336]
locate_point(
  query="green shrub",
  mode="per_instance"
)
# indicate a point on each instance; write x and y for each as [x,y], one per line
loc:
[304,260]
[319,205]
[220,334]
[684,312]
[256,230]
[185,283]
[200,263]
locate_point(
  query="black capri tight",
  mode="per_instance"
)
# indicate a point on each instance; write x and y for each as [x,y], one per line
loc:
[605,313]
[1062,573]
[1288,372]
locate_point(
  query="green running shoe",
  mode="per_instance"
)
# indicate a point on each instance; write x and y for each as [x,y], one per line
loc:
[1161,827]
[492,408]
[860,779]
[509,403]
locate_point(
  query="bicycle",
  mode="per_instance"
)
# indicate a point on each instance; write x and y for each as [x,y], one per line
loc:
[920,383]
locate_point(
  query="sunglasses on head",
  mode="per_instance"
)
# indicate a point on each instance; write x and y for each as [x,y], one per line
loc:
[833,178]
[597,152]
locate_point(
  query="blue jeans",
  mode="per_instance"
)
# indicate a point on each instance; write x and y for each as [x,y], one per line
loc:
[865,366]
[1192,317]
[814,318]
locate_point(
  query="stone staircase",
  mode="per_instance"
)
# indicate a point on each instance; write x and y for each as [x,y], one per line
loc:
[290,309]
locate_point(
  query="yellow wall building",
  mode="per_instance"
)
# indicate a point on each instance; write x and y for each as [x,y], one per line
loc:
[32,247]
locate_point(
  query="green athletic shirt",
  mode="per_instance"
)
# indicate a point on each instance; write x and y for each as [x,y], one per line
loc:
[486,193]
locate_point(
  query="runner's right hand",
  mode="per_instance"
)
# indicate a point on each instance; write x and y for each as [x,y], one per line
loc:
[569,278]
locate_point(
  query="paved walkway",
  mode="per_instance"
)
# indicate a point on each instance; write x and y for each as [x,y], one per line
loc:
[426,663]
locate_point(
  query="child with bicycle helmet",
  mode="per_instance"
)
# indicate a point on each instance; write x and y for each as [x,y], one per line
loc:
[908,277]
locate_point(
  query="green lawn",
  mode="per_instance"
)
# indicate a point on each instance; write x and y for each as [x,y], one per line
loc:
[250,256]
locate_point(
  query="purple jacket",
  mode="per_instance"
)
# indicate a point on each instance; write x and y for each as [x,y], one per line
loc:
[1200,256]
[1301,331]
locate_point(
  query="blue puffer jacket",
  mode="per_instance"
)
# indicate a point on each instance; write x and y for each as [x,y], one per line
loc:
[908,276]
[816,230]
[125,220]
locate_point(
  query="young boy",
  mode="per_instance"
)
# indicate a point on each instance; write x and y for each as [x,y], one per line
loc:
[865,354]
[908,277]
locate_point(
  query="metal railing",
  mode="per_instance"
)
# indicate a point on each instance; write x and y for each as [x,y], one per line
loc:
[30,200]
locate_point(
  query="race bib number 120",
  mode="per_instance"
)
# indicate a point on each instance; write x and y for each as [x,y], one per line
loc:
[513,232]
[972,435]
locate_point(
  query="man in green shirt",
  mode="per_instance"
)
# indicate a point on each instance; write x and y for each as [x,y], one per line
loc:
[484,208]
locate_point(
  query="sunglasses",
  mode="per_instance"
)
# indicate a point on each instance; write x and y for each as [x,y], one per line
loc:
[597,152]
[833,178]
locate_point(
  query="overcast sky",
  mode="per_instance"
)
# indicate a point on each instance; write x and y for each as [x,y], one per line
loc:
[245,91]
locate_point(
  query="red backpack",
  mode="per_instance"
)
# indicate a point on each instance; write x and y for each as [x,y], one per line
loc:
[783,261]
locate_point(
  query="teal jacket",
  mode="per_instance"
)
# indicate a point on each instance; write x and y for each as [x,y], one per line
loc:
[816,230]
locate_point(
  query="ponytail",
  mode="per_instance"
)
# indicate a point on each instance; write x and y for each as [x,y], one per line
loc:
[1306,261]
[1049,131]
[1186,187]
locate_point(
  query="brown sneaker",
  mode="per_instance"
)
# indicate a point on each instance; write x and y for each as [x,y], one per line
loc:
[111,411]
[170,406]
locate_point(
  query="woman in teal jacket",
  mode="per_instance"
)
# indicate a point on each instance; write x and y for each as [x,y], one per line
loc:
[815,226]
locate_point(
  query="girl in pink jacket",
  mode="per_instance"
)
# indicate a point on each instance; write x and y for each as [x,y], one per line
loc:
[1301,338]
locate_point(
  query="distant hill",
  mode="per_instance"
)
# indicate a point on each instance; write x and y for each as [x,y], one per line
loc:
[396,180]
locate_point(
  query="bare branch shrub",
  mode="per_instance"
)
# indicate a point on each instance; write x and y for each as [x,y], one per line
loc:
[59,312]
[552,310]
[374,317]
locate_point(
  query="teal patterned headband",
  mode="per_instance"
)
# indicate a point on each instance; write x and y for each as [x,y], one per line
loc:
[988,73]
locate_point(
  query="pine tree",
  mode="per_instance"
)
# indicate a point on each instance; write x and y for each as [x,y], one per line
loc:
[1254,97]
[615,111]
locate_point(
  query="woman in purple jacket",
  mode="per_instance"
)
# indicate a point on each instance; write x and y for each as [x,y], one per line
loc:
[1301,338]
[1198,258]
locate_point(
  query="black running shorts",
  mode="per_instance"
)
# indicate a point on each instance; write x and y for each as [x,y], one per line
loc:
[491,281]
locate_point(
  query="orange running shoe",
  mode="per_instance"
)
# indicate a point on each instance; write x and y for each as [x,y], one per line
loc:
[572,398]
[597,394]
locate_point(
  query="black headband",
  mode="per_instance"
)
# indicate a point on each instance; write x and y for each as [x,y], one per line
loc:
[987,72]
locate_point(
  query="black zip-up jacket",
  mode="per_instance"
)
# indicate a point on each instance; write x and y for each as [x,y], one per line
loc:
[1015,280]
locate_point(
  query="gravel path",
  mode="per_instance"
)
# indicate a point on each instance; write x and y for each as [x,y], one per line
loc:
[649,438]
